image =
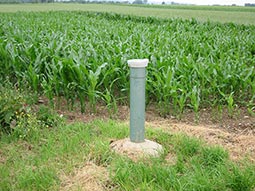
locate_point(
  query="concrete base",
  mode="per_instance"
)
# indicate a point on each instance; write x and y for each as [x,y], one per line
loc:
[137,150]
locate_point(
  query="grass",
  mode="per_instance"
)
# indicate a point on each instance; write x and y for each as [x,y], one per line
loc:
[238,15]
[36,164]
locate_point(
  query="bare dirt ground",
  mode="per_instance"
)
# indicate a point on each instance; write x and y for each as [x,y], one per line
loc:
[90,177]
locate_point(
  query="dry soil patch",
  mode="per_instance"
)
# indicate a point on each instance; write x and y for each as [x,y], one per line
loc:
[238,145]
[90,177]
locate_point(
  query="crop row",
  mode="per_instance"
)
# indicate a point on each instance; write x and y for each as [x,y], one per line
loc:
[81,55]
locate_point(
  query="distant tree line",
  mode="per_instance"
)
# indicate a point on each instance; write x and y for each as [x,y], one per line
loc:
[249,4]
[140,2]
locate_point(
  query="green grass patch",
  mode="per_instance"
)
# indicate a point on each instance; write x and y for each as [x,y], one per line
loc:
[36,163]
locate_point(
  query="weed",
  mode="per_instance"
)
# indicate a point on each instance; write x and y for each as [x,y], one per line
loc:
[49,117]
[11,103]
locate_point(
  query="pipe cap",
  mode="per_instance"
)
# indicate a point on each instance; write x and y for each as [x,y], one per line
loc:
[138,63]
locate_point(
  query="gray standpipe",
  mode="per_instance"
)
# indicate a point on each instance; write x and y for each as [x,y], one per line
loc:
[136,145]
[137,99]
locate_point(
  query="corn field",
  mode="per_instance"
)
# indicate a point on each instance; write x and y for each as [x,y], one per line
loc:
[83,56]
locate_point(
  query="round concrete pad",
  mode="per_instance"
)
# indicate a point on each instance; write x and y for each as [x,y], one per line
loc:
[137,150]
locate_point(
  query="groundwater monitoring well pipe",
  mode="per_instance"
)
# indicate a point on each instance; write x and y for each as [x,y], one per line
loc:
[137,99]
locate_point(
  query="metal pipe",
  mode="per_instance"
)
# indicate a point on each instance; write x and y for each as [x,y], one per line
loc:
[137,99]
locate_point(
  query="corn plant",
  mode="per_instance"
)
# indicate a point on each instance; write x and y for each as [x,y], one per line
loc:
[195,99]
[231,105]
[93,78]
[191,63]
